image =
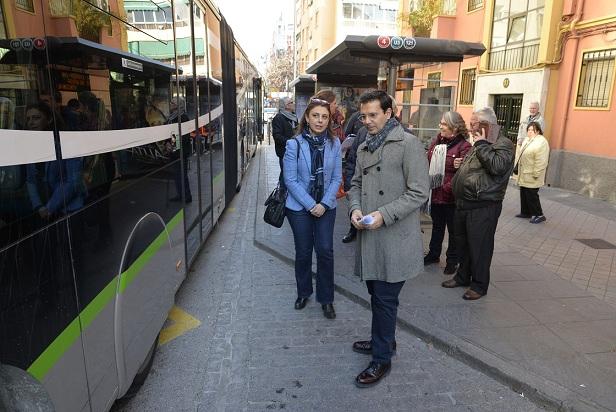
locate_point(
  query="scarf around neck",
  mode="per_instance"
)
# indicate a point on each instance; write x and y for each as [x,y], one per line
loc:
[292,117]
[375,141]
[316,188]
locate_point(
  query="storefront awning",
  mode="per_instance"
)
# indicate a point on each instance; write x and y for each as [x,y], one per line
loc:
[361,55]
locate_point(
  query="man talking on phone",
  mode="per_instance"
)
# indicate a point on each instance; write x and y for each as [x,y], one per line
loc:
[479,187]
[389,186]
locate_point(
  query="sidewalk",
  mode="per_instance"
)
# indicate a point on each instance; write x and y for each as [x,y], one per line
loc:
[547,328]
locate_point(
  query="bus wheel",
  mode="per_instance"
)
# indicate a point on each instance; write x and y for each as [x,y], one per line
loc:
[143,372]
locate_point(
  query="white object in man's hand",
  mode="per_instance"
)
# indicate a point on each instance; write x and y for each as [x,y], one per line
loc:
[367,220]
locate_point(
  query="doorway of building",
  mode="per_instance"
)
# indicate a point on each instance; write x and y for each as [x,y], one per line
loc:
[508,109]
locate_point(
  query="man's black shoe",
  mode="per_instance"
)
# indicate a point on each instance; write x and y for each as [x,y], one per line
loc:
[429,259]
[523,216]
[328,311]
[372,374]
[365,347]
[300,303]
[349,237]
[450,269]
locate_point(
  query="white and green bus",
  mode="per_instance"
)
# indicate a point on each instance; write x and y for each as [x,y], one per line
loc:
[126,128]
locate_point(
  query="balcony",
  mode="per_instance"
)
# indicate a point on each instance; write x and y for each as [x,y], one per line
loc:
[514,58]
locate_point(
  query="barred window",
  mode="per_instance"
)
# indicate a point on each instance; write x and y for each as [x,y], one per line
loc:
[467,86]
[596,78]
[474,5]
[25,5]
[434,79]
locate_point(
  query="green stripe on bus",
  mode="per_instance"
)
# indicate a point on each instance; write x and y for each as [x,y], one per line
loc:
[129,275]
[54,352]
[46,360]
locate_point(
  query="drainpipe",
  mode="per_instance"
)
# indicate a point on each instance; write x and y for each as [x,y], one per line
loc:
[576,18]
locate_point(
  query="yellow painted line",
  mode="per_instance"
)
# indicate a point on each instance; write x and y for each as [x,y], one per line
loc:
[182,323]
[230,209]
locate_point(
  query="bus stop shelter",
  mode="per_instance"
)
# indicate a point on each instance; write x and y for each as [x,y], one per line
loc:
[362,62]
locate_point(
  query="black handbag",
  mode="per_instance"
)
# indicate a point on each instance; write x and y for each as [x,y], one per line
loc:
[274,206]
[275,203]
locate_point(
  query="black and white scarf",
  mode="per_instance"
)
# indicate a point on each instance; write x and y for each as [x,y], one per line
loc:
[316,188]
[375,141]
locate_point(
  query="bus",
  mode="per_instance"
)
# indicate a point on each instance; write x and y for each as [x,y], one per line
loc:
[126,127]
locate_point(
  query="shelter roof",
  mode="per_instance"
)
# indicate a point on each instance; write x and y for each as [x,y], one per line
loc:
[361,55]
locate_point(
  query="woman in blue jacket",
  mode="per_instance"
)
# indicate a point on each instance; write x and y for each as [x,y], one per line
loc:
[312,173]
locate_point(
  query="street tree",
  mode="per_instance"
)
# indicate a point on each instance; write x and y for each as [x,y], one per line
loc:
[279,70]
[421,19]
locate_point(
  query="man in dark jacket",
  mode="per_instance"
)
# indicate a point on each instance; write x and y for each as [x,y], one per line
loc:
[283,126]
[479,188]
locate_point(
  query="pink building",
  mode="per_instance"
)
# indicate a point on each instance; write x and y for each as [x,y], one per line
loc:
[560,53]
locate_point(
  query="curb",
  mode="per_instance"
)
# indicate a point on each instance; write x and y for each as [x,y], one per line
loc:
[541,391]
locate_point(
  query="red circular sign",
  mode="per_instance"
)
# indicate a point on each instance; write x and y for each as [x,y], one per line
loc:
[384,42]
[39,43]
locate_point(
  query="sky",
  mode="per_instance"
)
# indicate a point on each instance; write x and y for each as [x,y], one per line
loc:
[253,23]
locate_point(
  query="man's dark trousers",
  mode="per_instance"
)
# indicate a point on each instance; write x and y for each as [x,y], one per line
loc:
[384,304]
[475,229]
[443,216]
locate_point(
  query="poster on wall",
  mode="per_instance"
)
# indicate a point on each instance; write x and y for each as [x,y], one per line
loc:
[348,99]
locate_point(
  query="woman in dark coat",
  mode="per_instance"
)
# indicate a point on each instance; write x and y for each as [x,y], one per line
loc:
[449,144]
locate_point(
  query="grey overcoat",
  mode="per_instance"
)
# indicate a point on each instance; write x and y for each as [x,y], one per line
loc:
[394,181]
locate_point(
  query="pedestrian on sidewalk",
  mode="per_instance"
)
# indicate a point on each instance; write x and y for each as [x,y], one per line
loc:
[531,168]
[312,175]
[283,126]
[479,187]
[534,115]
[449,144]
[388,188]
[337,118]
[349,164]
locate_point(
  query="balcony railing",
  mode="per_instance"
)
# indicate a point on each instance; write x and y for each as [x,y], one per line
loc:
[515,58]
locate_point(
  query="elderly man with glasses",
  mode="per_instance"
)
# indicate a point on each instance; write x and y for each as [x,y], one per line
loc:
[479,188]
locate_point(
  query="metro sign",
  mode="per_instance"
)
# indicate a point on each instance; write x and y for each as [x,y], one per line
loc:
[396,42]
[383,42]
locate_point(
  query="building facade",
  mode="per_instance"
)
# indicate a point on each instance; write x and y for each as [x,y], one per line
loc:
[321,24]
[560,53]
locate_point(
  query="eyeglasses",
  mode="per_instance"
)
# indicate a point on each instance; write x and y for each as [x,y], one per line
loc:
[320,101]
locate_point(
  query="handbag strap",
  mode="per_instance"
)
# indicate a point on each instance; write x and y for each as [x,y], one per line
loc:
[521,152]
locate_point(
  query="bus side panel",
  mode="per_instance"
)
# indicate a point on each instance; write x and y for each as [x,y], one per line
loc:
[39,326]
[148,284]
[68,373]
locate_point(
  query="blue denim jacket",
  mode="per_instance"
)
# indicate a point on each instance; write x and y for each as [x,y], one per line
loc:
[297,171]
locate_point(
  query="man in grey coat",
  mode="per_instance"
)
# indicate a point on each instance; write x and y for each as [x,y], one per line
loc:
[388,188]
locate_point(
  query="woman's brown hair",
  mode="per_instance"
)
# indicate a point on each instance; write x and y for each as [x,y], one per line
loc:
[316,102]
